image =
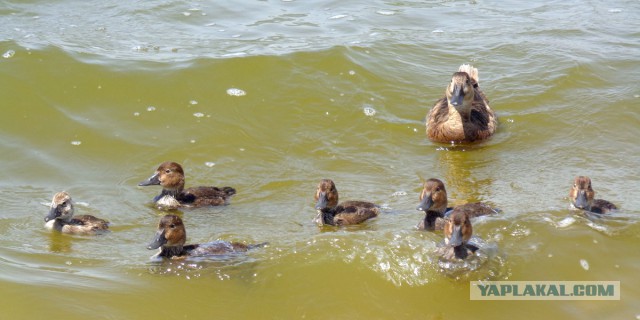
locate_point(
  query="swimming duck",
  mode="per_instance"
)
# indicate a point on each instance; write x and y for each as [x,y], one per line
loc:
[582,197]
[171,237]
[457,232]
[463,115]
[61,218]
[345,213]
[171,177]
[433,201]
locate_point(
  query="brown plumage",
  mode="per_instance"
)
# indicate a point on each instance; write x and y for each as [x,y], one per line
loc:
[170,176]
[582,197]
[463,115]
[345,213]
[61,218]
[171,236]
[433,201]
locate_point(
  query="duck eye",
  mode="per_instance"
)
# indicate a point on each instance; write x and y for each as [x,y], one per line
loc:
[167,171]
[172,226]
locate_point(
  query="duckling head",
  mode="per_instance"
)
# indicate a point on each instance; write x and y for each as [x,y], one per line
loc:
[326,195]
[171,234]
[169,175]
[581,193]
[61,207]
[457,229]
[433,197]
[460,91]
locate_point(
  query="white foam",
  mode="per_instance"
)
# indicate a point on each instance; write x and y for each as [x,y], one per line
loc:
[236,92]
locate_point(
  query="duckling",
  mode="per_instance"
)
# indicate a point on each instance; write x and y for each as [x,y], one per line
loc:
[61,218]
[457,232]
[463,115]
[582,197]
[171,237]
[171,177]
[345,213]
[433,201]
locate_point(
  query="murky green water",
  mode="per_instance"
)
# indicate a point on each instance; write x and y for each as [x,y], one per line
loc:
[96,95]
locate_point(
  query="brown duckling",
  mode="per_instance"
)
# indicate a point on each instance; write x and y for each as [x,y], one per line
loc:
[582,197]
[345,213]
[171,177]
[457,232]
[61,218]
[433,201]
[171,237]
[463,115]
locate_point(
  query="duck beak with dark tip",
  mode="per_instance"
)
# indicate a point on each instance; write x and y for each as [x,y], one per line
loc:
[581,200]
[158,240]
[456,236]
[323,201]
[153,180]
[53,213]
[457,95]
[426,203]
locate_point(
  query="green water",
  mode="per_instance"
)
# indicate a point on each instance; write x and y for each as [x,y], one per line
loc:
[95,96]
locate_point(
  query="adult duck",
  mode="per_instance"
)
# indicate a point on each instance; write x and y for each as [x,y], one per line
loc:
[433,201]
[170,176]
[345,213]
[582,197]
[61,218]
[463,115]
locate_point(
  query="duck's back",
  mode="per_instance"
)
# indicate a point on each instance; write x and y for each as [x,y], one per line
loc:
[206,196]
[85,224]
[354,212]
[602,206]
[474,209]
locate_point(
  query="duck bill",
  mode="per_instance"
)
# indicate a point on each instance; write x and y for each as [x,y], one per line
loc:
[158,240]
[322,201]
[457,96]
[456,236]
[53,213]
[153,180]
[581,200]
[425,204]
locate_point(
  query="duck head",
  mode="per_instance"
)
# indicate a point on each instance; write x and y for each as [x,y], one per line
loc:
[326,195]
[171,234]
[581,193]
[61,207]
[433,197]
[457,229]
[460,91]
[169,175]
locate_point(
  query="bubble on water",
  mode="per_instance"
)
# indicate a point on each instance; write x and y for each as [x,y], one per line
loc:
[151,108]
[193,102]
[192,141]
[399,193]
[209,164]
[76,142]
[437,31]
[615,10]
[236,92]
[136,114]
[584,264]
[186,14]
[351,72]
[386,12]
[198,114]
[369,111]
[8,54]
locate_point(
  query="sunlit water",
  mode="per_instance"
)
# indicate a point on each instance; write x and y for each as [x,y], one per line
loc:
[269,97]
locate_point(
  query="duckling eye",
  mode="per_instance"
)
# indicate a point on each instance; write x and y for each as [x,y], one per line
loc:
[167,171]
[172,226]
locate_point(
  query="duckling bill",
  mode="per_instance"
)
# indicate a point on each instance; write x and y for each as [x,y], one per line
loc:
[171,236]
[61,218]
[582,197]
[433,201]
[463,115]
[170,176]
[345,213]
